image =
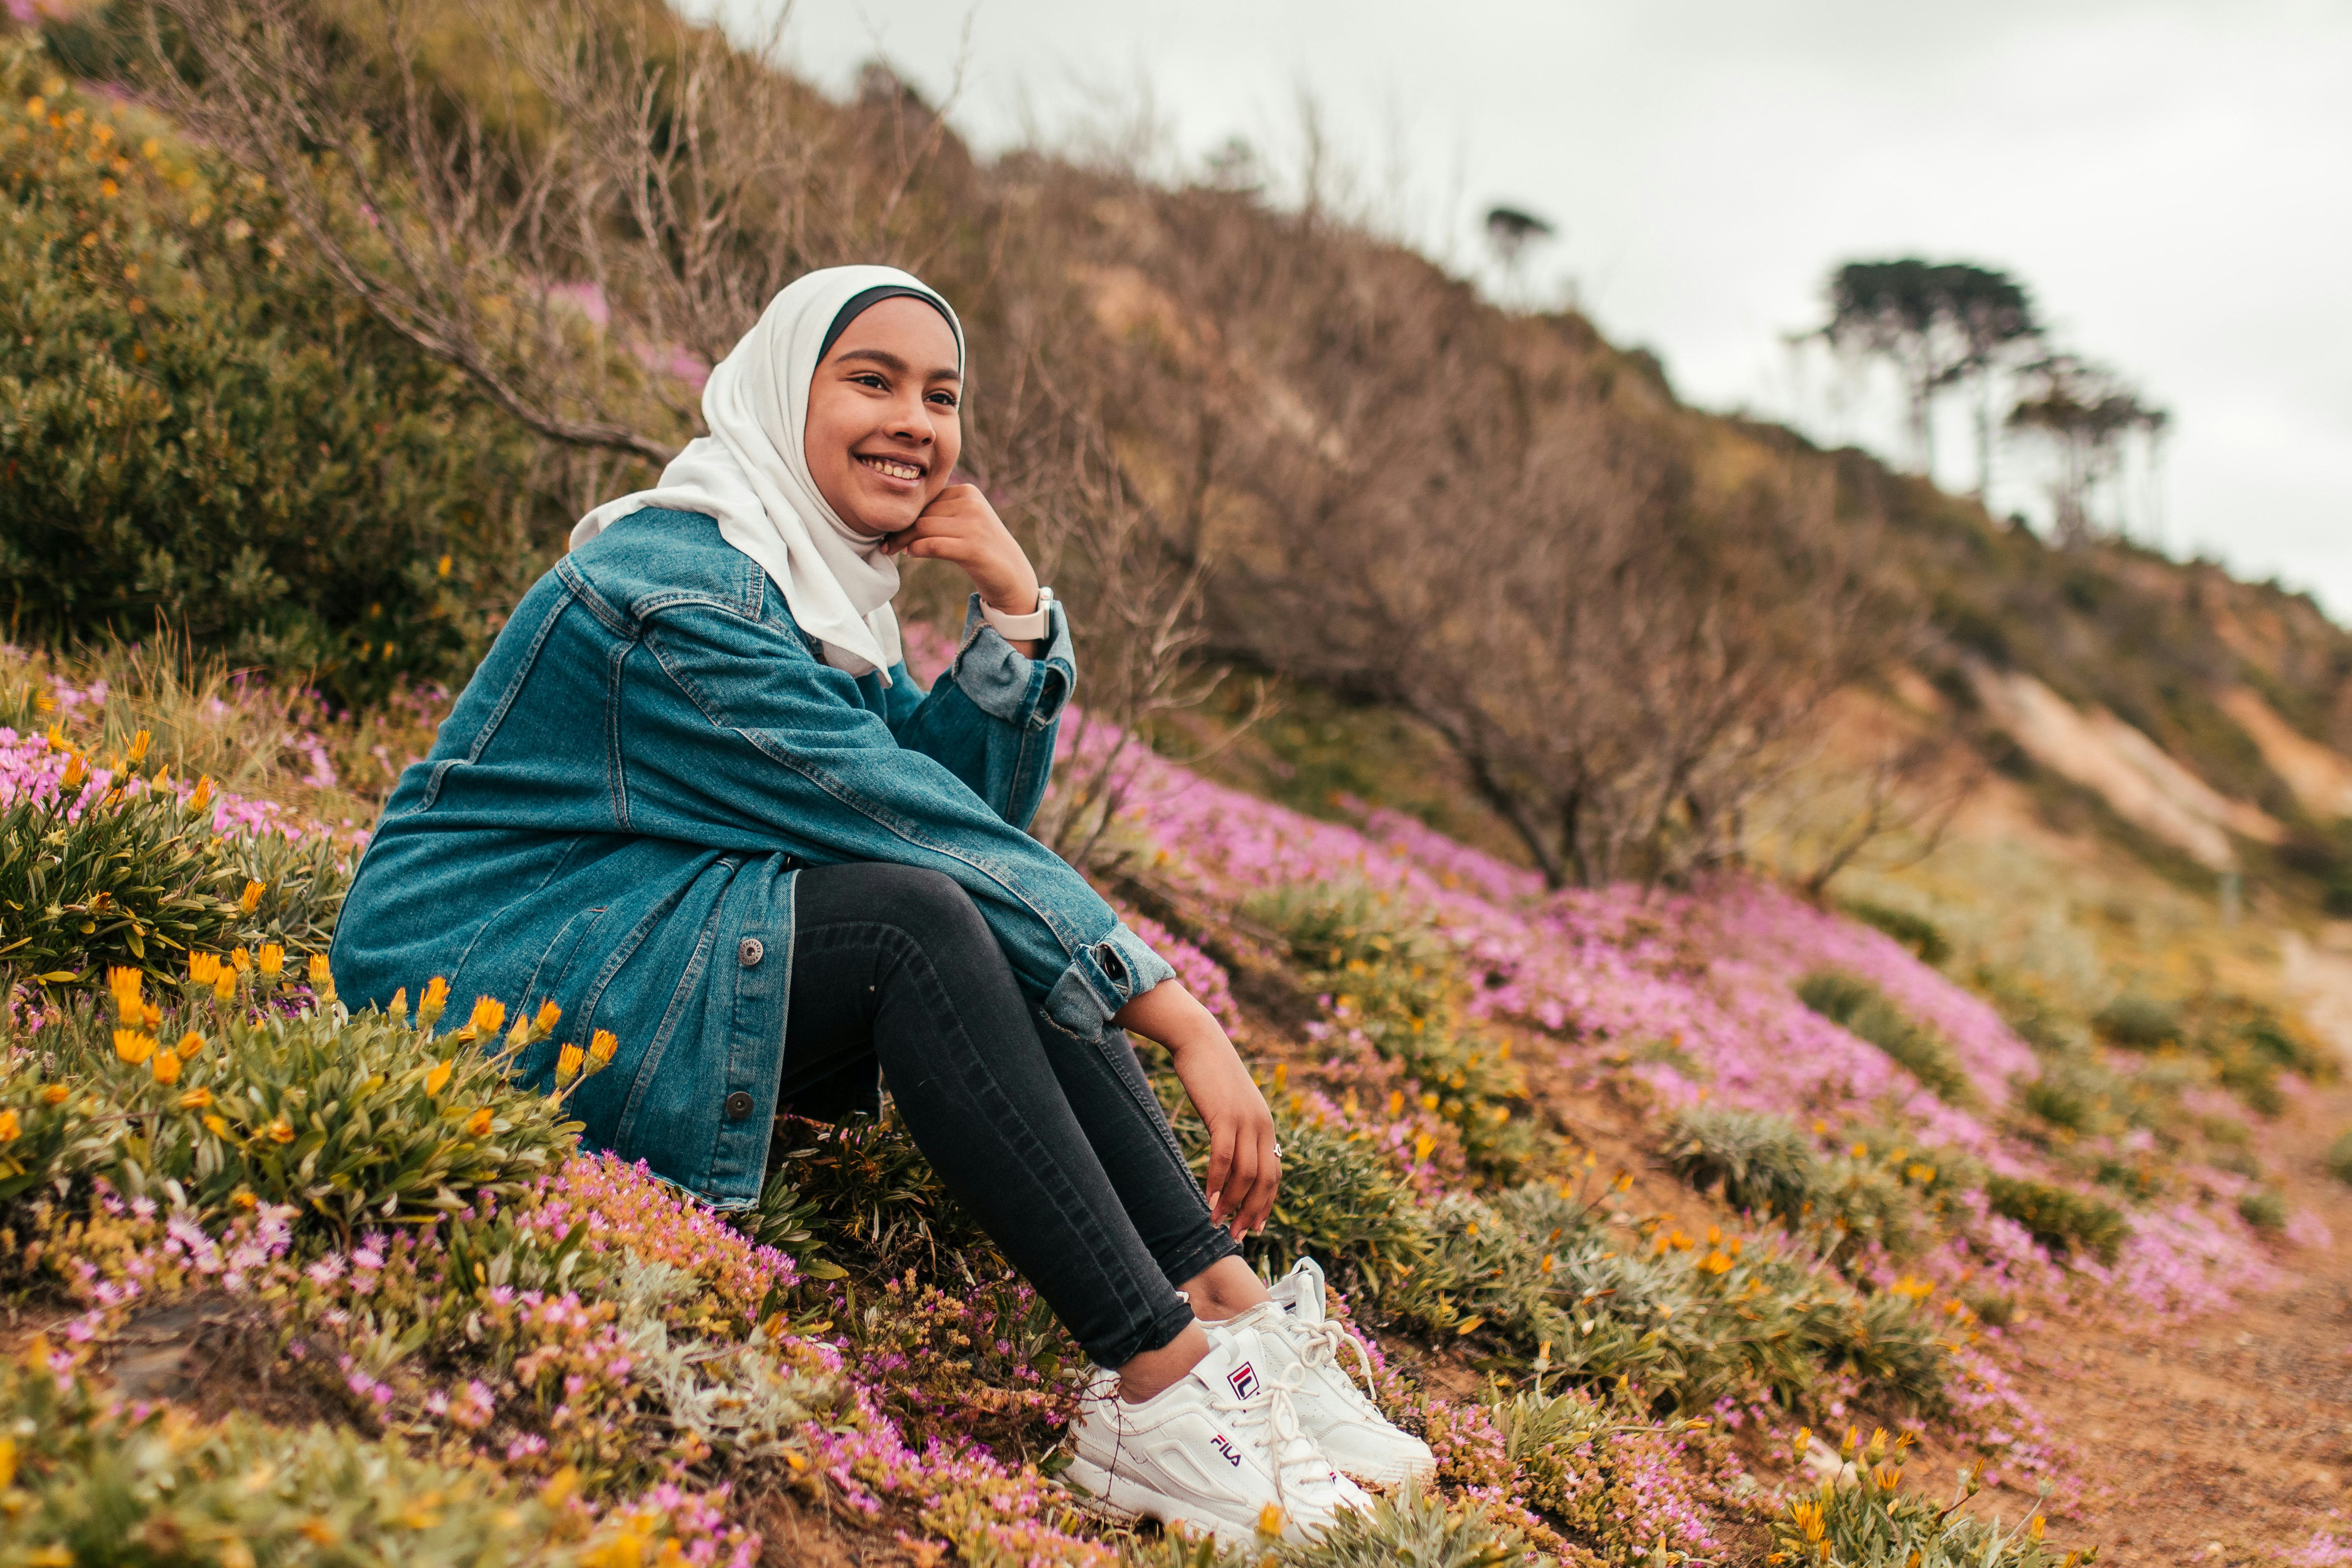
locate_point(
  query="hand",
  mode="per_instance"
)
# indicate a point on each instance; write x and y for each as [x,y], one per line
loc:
[961,526]
[1244,1169]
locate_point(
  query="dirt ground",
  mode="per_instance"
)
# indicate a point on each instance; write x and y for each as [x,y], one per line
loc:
[2228,1440]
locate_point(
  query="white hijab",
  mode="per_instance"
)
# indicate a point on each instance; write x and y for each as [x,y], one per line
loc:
[751,473]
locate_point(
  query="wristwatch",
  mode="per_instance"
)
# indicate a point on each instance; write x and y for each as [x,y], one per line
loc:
[1021,628]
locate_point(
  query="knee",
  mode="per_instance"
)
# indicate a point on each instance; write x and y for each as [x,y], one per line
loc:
[931,907]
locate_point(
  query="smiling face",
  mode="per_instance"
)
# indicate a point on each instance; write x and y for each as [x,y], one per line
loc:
[883,416]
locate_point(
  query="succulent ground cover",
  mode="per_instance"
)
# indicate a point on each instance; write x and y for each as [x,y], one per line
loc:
[293,1284]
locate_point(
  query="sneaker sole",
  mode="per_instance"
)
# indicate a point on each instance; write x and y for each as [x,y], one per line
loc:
[1131,1500]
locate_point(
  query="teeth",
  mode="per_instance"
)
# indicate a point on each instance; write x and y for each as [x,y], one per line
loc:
[896,470]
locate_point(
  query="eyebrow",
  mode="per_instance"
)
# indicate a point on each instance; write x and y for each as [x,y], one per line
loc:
[889,361]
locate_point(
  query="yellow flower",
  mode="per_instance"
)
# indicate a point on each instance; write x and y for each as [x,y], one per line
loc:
[123,981]
[478,1124]
[203,968]
[217,1127]
[2034,1527]
[548,1017]
[601,1046]
[243,1198]
[237,955]
[9,1132]
[437,1079]
[269,960]
[202,795]
[321,974]
[250,900]
[77,769]
[397,1008]
[1269,1520]
[190,1044]
[197,1100]
[57,1094]
[568,1060]
[441,567]
[1423,1145]
[166,1067]
[1715,1263]
[152,1016]
[489,1015]
[280,1130]
[436,996]
[520,1036]
[138,744]
[224,984]
[133,1047]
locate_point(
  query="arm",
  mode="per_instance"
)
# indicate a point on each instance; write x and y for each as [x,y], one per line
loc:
[736,737]
[993,718]
[1244,1168]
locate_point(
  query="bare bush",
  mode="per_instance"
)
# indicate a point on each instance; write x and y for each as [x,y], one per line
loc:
[1410,496]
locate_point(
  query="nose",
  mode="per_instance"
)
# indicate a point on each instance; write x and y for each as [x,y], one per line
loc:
[910,418]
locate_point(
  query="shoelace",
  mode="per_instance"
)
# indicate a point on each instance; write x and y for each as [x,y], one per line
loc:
[1319,1345]
[1272,1404]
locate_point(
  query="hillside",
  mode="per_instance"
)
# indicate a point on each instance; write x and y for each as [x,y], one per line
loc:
[1666,1152]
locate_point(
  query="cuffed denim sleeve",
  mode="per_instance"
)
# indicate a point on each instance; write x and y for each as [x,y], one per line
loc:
[1006,684]
[737,734]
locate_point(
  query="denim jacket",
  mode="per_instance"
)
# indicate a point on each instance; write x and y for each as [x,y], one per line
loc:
[612,815]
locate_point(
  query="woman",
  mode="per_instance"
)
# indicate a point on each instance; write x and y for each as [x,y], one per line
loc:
[693,797]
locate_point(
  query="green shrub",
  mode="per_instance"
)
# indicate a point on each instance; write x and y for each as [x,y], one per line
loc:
[1917,933]
[2074,1093]
[1687,1319]
[97,1483]
[1871,1522]
[197,423]
[1411,1526]
[1861,1009]
[139,878]
[2065,1220]
[2338,1158]
[1395,985]
[1766,1166]
[2264,1208]
[2254,1080]
[2138,1022]
[352,1122]
[1762,1162]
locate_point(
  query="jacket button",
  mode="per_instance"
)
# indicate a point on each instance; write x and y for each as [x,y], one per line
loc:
[739,1106]
[749,951]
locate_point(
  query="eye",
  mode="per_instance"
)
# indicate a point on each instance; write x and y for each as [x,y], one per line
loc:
[873,378]
[944,399]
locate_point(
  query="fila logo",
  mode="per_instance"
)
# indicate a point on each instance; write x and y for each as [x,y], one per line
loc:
[1226,1448]
[1242,1381]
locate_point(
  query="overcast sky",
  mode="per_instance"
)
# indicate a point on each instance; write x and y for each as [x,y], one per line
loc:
[2173,181]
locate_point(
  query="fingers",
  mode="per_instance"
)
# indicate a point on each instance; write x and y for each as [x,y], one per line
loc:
[1241,1185]
[1260,1202]
[1221,1165]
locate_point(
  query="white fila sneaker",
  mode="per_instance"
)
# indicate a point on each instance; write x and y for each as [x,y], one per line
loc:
[1305,1347]
[1220,1450]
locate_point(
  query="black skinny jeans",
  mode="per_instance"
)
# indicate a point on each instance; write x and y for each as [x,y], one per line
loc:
[1055,1145]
